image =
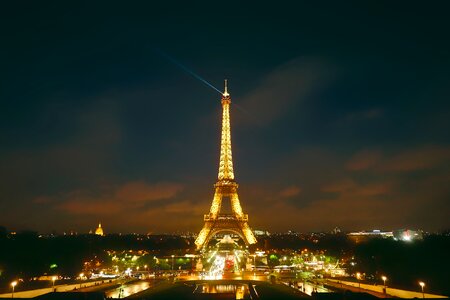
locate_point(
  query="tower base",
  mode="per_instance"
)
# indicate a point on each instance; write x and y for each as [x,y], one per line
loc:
[225,223]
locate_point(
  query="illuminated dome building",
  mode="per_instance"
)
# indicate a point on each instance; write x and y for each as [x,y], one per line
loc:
[99,230]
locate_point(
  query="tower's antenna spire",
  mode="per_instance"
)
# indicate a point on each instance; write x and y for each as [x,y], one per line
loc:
[225,94]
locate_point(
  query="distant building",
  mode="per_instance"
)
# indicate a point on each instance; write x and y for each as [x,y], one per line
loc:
[362,236]
[407,235]
[336,230]
[99,230]
[261,232]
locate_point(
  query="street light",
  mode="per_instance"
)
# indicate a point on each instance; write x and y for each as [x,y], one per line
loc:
[156,262]
[254,265]
[13,285]
[422,284]
[358,276]
[384,280]
[172,262]
[53,285]
[81,278]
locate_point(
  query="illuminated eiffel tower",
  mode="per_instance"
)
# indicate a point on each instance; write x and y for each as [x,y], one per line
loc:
[225,186]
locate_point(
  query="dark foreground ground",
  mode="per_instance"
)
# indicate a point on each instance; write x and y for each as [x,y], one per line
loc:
[218,289]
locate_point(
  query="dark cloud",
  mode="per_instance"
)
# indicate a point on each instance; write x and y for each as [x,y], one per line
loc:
[290,191]
[333,124]
[284,87]
[114,204]
[359,116]
[82,155]
[363,160]
[425,157]
[355,192]
[127,197]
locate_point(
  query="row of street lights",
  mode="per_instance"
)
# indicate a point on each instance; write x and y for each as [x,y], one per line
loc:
[384,278]
[14,283]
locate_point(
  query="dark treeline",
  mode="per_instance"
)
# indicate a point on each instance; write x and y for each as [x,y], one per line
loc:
[404,263]
[335,245]
[25,254]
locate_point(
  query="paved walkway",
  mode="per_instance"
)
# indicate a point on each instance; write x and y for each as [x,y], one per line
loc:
[354,289]
[58,288]
[377,290]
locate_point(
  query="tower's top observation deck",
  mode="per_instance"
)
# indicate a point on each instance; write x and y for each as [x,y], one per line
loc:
[225,93]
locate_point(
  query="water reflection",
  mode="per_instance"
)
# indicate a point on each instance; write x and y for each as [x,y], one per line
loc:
[128,290]
[240,291]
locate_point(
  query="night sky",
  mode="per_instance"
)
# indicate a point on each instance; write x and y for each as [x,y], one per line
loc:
[340,114]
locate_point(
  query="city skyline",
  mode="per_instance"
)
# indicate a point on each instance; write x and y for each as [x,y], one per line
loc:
[340,116]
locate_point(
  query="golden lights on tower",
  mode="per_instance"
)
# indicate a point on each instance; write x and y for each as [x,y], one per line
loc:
[225,186]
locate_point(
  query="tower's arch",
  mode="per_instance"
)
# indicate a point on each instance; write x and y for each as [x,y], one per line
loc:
[215,232]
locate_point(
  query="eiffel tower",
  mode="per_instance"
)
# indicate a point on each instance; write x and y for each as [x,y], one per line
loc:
[226,186]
